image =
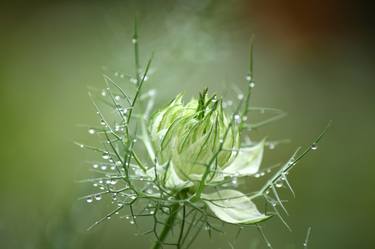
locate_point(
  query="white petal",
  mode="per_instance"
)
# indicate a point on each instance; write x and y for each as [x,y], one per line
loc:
[247,161]
[173,181]
[233,207]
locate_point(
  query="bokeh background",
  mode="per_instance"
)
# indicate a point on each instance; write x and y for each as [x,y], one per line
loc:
[312,59]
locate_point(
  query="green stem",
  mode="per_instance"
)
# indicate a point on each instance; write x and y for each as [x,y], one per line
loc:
[168,226]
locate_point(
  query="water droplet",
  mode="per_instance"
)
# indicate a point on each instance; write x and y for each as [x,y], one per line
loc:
[314,146]
[248,77]
[102,122]
[116,74]
[279,184]
[234,181]
[134,40]
[122,76]
[271,146]
[152,212]
[108,217]
[252,84]
[257,175]
[104,93]
[117,97]
[91,131]
[132,222]
[95,166]
[237,118]
[98,197]
[103,167]
[240,96]
[262,173]
[133,80]
[89,199]
[152,92]
[105,156]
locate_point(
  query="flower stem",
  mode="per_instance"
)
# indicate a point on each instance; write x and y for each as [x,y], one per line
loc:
[168,226]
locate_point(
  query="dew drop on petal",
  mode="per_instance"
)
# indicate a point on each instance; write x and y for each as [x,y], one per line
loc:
[234,181]
[91,131]
[89,199]
[252,84]
[98,197]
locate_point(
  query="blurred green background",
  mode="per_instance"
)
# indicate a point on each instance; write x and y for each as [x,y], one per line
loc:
[313,60]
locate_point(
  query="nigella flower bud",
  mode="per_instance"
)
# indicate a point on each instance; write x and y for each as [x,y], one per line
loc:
[190,136]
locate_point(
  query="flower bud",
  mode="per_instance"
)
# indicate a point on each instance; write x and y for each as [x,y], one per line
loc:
[194,136]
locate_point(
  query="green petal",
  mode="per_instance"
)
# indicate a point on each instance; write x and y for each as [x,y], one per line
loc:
[233,207]
[247,161]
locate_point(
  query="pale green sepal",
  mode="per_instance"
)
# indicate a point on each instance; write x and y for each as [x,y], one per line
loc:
[247,161]
[233,207]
